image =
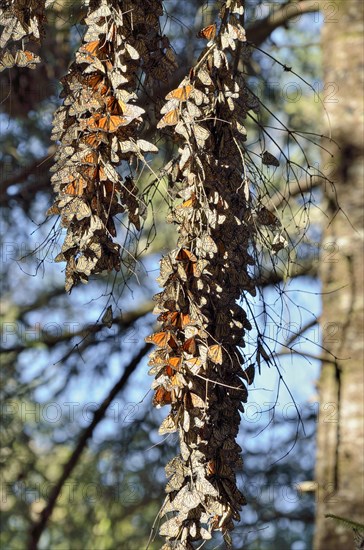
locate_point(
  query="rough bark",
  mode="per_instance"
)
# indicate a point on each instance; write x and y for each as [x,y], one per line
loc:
[340,441]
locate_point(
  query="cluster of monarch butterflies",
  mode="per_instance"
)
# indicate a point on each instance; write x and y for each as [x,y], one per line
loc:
[198,361]
[97,127]
[22,20]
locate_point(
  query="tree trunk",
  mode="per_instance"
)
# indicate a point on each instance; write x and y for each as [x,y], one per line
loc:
[340,438]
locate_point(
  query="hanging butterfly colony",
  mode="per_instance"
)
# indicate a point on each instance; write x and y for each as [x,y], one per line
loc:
[197,363]
[199,368]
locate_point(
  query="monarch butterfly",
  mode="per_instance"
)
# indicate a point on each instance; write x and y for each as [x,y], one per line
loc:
[175,319]
[106,123]
[169,119]
[233,492]
[193,364]
[90,47]
[158,357]
[162,397]
[249,374]
[93,48]
[215,354]
[97,83]
[109,188]
[185,254]
[7,60]
[22,58]
[189,262]
[93,140]
[190,346]
[182,93]
[90,158]
[266,217]
[107,318]
[169,318]
[90,172]
[201,135]
[211,468]
[175,362]
[189,203]
[115,106]
[236,32]
[169,425]
[25,58]
[162,339]
[193,400]
[76,186]
[208,32]
[269,160]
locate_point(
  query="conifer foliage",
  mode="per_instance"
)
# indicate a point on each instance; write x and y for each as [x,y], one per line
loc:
[97,127]
[198,363]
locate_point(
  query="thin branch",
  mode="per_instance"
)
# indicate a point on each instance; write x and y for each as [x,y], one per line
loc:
[302,330]
[38,528]
[305,355]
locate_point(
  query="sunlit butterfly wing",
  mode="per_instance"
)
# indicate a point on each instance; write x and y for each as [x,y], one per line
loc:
[182,93]
[25,58]
[169,425]
[7,60]
[170,119]
[215,354]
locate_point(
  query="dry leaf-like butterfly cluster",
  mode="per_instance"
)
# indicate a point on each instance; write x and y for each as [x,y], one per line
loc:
[97,127]
[198,361]
[22,20]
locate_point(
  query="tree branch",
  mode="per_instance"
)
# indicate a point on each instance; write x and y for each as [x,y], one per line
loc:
[51,340]
[263,28]
[295,188]
[273,277]
[44,162]
[38,528]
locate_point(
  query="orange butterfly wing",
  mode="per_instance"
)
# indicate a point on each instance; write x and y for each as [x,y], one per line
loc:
[190,345]
[97,83]
[175,363]
[215,354]
[90,47]
[208,33]
[162,339]
[182,93]
[169,119]
[76,186]
[108,123]
[114,122]
[162,397]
